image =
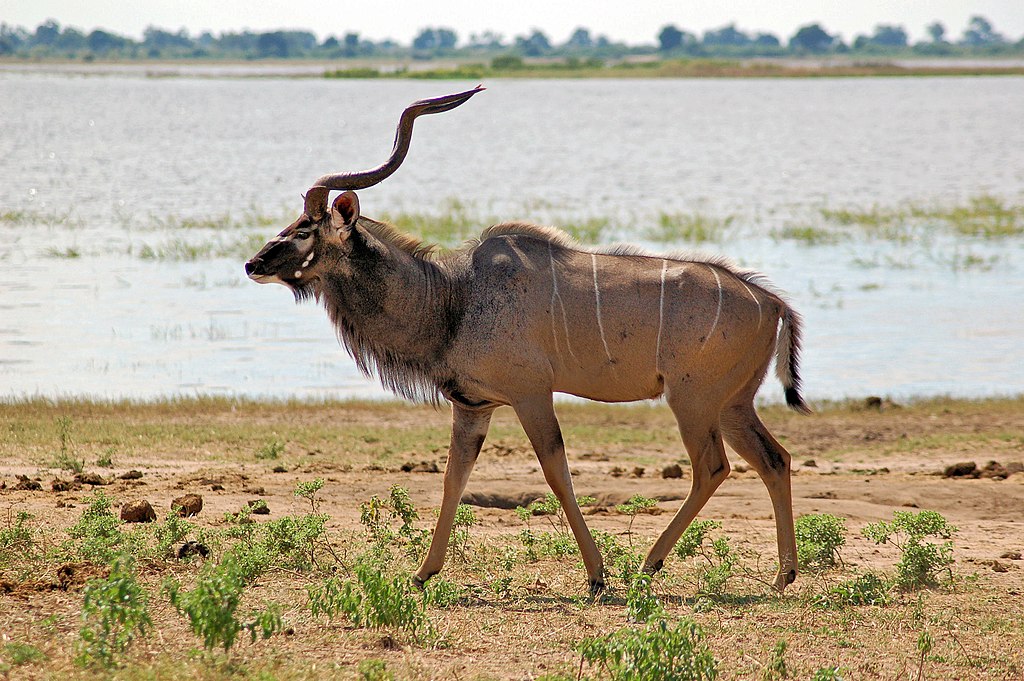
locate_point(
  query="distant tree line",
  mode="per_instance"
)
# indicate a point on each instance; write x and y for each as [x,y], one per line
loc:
[51,40]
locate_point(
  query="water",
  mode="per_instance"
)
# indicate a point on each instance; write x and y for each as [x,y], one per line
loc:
[108,166]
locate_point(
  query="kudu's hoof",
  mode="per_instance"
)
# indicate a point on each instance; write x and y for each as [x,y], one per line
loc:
[653,569]
[420,584]
[784,579]
[596,587]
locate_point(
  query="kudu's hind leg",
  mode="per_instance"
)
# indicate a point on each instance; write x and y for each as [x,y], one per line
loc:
[469,428]
[541,426]
[750,438]
[709,466]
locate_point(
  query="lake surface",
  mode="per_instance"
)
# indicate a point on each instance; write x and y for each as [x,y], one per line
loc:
[106,291]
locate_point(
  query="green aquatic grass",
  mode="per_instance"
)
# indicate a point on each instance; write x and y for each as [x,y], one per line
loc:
[984,216]
[689,227]
[186,250]
[811,235]
[24,218]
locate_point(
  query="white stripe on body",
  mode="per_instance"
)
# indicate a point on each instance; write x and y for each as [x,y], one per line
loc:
[556,296]
[597,301]
[718,310]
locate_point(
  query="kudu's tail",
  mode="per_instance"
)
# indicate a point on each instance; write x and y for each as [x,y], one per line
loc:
[787,359]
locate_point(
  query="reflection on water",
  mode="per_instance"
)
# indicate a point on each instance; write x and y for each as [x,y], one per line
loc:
[93,171]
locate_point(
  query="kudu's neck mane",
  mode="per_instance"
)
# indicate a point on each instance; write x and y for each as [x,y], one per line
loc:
[395,310]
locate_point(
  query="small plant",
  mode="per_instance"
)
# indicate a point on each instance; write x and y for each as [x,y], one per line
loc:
[211,606]
[925,643]
[636,504]
[642,604]
[374,600]
[271,450]
[465,518]
[718,560]
[307,490]
[867,589]
[374,670]
[16,539]
[378,515]
[172,530]
[65,459]
[776,667]
[818,539]
[19,654]
[440,593]
[502,585]
[115,611]
[106,459]
[921,561]
[659,650]
[827,674]
[621,561]
[550,508]
[98,535]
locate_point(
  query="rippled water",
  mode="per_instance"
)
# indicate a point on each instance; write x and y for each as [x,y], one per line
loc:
[109,166]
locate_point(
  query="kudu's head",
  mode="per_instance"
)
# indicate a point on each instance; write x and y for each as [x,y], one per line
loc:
[296,256]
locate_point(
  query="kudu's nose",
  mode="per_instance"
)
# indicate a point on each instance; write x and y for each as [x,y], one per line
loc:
[250,267]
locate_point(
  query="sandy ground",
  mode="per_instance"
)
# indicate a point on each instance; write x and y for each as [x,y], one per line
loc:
[859,463]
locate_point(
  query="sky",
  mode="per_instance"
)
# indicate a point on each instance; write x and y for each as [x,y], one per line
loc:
[635,22]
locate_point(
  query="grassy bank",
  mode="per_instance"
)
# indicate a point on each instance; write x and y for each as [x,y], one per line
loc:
[513,67]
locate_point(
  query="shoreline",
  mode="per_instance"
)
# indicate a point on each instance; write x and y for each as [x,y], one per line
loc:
[470,69]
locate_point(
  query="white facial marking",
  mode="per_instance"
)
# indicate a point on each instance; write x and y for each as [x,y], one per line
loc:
[597,301]
[298,274]
[718,311]
[309,259]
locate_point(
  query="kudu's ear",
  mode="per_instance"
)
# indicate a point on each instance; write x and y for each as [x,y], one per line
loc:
[345,211]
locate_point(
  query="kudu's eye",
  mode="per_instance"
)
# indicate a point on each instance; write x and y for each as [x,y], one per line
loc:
[303,235]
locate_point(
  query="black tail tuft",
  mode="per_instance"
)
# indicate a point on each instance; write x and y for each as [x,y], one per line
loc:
[796,402]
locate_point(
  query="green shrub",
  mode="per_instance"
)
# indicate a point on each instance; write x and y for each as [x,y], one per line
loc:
[115,611]
[642,604]
[271,450]
[17,654]
[658,650]
[551,509]
[172,530]
[307,490]
[379,515]
[776,667]
[717,560]
[16,539]
[98,535]
[374,670]
[921,561]
[636,504]
[867,589]
[620,561]
[212,605]
[818,539]
[374,600]
[464,519]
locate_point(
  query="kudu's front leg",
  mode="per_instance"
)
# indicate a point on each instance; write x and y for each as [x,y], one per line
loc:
[469,428]
[541,426]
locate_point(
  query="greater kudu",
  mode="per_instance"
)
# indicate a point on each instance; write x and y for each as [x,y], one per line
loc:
[525,312]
